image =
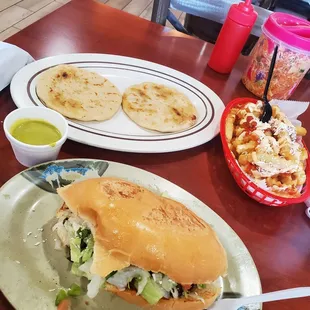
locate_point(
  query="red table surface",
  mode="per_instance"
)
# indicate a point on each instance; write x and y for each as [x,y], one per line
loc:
[277,238]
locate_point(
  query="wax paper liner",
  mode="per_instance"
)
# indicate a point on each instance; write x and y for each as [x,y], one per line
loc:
[292,109]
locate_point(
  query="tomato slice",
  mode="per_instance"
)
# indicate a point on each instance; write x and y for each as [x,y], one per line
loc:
[64,305]
[186,287]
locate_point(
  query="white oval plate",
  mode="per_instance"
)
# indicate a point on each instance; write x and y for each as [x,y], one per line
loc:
[31,269]
[120,133]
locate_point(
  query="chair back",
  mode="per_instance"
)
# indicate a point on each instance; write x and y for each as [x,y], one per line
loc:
[216,10]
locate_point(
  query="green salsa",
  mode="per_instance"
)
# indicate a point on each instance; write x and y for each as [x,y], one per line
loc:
[35,132]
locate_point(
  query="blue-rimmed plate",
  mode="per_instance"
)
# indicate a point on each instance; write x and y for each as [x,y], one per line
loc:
[120,133]
[32,270]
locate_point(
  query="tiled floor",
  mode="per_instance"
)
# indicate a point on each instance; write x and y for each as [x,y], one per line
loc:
[18,14]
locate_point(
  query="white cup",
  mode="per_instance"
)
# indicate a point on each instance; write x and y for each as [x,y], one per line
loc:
[29,155]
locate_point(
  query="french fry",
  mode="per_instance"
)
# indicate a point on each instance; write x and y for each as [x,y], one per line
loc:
[304,154]
[288,180]
[247,147]
[229,126]
[275,111]
[271,181]
[300,177]
[300,131]
[285,151]
[241,114]
[238,131]
[245,158]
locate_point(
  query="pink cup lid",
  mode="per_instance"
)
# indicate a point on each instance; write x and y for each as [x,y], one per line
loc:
[289,29]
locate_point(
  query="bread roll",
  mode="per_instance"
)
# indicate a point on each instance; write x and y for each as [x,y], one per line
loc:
[134,226]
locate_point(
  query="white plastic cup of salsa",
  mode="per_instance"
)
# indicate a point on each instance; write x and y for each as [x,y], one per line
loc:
[27,154]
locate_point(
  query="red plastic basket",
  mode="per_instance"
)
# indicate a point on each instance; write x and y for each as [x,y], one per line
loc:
[249,187]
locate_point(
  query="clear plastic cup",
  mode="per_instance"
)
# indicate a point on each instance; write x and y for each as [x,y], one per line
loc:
[29,155]
[292,35]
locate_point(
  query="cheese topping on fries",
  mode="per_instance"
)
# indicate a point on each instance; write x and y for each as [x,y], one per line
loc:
[269,153]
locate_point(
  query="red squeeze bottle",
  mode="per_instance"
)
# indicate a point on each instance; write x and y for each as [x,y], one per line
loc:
[234,33]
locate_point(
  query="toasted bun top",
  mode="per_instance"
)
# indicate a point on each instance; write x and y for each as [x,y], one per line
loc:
[78,93]
[134,226]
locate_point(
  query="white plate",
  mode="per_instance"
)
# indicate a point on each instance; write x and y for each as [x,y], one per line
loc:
[28,202]
[120,133]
